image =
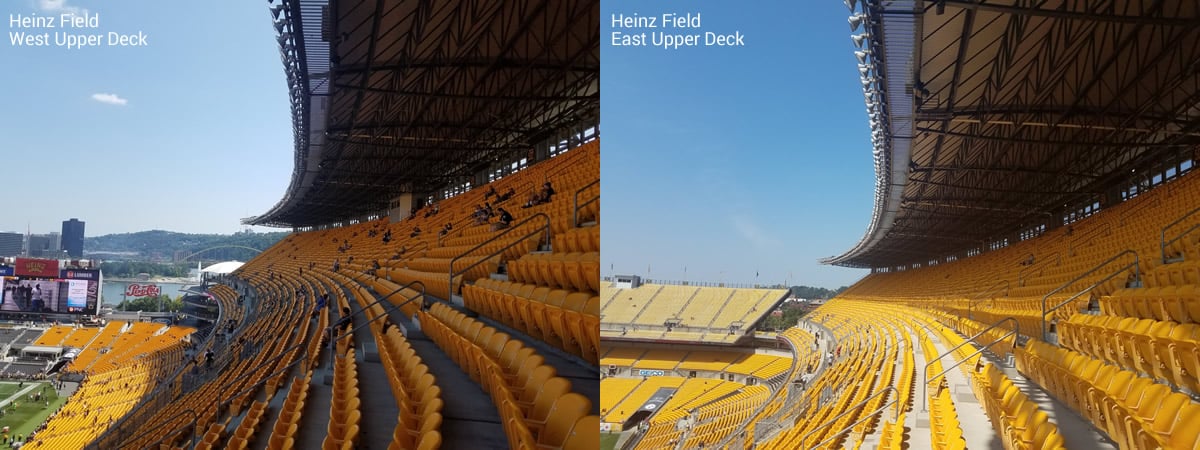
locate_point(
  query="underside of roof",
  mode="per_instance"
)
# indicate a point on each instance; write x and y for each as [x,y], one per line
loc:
[991,117]
[410,97]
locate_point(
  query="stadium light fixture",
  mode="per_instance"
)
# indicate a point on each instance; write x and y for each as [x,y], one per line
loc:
[278,26]
[862,56]
[856,21]
[275,10]
[283,38]
[850,4]
[864,70]
[859,39]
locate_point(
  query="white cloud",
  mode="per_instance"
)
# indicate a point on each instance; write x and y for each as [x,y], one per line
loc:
[111,99]
[749,230]
[59,6]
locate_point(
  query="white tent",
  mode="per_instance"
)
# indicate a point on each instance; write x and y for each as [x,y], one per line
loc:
[222,267]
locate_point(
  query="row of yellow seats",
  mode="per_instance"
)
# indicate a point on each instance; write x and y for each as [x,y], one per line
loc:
[436,284]
[1174,274]
[1013,415]
[1175,303]
[537,408]
[570,321]
[578,240]
[572,271]
[1165,350]
[283,434]
[1135,412]
[344,413]
[245,431]
[417,395]
[483,266]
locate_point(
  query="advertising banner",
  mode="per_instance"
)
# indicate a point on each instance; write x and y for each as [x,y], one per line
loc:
[46,268]
[77,294]
[143,290]
[80,274]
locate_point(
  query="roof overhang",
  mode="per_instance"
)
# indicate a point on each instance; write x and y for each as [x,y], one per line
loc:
[993,117]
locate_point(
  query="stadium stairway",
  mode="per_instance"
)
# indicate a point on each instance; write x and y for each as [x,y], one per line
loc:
[469,419]
[976,428]
[1075,430]
[374,389]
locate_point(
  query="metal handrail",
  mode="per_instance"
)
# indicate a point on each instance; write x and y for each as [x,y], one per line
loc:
[870,415]
[334,337]
[575,209]
[925,387]
[1176,238]
[194,422]
[989,290]
[753,417]
[925,371]
[850,409]
[1162,242]
[455,227]
[253,370]
[1021,273]
[414,248]
[1136,275]
[260,383]
[450,286]
[1157,200]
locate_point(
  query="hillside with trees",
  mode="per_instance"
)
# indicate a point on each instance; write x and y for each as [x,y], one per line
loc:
[160,246]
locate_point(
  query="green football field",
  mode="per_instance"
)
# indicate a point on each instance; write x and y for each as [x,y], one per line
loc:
[608,441]
[21,415]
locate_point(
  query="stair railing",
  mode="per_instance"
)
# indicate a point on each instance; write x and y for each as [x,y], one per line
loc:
[1046,298]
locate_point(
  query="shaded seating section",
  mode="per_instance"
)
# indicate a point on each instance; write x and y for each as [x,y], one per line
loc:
[684,313]
[428,256]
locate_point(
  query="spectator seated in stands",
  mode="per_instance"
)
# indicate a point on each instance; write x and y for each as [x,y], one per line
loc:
[336,265]
[490,192]
[504,221]
[540,197]
[431,212]
[1028,261]
[446,229]
[416,231]
[387,236]
[506,195]
[481,216]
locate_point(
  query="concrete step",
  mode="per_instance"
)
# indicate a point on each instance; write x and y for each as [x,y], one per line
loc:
[976,426]
[1077,432]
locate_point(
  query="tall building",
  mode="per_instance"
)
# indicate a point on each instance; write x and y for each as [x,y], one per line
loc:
[11,244]
[55,243]
[72,237]
[39,246]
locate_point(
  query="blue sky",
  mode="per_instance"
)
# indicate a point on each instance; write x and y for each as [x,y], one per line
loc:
[190,133]
[732,161]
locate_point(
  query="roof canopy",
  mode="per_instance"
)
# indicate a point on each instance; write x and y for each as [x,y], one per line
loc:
[223,267]
[398,97]
[992,117]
